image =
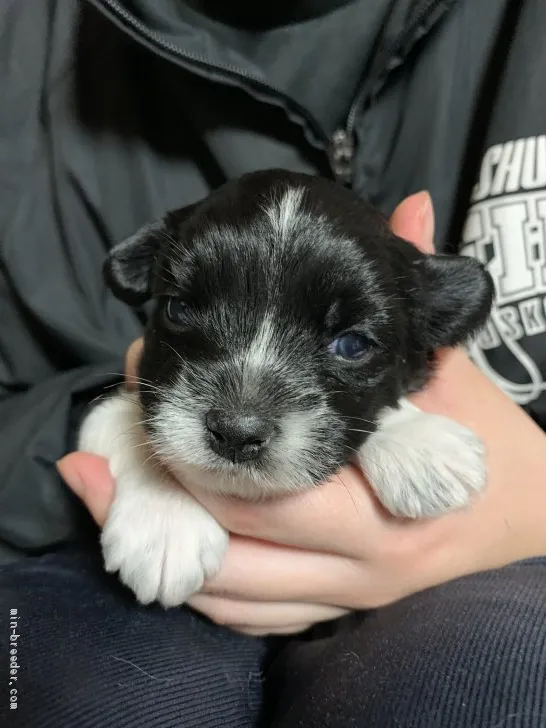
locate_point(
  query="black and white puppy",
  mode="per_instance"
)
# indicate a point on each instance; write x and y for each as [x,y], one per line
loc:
[289,326]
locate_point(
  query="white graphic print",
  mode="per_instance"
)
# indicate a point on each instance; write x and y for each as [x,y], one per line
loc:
[506,230]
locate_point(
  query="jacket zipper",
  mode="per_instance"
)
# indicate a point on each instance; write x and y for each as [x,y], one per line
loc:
[343,142]
[139,30]
[341,153]
[341,146]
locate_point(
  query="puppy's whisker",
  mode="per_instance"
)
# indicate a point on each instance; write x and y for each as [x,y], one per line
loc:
[145,383]
[359,419]
[123,375]
[176,353]
[134,380]
[166,281]
[362,456]
[98,398]
[153,458]
[136,445]
[338,477]
[139,380]
[130,429]
[173,242]
[112,386]
[353,449]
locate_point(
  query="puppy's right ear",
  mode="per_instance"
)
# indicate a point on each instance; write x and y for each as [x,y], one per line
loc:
[128,268]
[130,264]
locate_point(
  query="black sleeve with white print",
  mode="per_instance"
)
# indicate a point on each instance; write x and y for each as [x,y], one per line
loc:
[506,222]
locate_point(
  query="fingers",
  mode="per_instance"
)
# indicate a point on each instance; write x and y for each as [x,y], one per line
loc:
[132,358]
[90,479]
[341,516]
[264,572]
[258,571]
[263,617]
[413,220]
[273,630]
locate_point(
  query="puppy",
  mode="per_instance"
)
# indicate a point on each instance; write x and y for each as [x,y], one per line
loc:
[289,326]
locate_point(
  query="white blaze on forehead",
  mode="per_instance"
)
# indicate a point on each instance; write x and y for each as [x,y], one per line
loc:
[283,214]
[261,350]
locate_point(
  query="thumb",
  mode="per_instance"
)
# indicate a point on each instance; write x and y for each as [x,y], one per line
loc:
[88,476]
[413,220]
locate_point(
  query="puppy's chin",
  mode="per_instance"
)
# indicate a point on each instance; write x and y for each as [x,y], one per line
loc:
[246,482]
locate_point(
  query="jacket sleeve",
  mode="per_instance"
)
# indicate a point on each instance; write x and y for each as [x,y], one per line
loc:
[62,341]
[62,334]
[60,346]
[38,425]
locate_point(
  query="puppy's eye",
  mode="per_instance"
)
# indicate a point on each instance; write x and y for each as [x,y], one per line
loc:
[350,346]
[176,312]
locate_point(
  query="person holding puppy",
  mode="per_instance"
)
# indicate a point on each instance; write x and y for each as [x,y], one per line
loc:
[116,112]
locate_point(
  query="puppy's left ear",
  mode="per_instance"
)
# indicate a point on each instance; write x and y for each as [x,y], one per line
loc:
[454,298]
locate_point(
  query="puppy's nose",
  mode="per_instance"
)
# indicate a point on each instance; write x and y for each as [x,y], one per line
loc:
[238,437]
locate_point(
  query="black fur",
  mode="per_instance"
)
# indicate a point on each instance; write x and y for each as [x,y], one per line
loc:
[339,269]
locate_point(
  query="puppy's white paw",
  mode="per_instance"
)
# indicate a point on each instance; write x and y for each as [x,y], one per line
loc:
[163,543]
[423,465]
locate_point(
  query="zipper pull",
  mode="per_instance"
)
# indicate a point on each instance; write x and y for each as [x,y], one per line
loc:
[341,153]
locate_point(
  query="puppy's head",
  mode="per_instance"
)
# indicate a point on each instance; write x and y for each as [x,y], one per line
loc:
[286,317]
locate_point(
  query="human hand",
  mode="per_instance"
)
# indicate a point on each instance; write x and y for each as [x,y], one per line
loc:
[305,558]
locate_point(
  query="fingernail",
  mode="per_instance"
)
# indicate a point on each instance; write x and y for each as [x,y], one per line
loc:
[70,476]
[426,216]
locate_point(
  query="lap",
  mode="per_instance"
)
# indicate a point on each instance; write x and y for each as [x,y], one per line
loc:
[468,654]
[90,657]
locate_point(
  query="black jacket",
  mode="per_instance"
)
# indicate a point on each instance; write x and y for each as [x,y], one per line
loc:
[113,112]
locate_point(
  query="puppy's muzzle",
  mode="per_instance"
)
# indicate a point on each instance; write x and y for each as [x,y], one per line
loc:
[238,437]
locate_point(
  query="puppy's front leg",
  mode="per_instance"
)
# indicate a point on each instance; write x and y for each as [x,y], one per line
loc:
[422,465]
[162,542]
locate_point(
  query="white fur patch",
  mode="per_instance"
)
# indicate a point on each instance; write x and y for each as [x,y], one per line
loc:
[284,214]
[162,542]
[262,348]
[422,465]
